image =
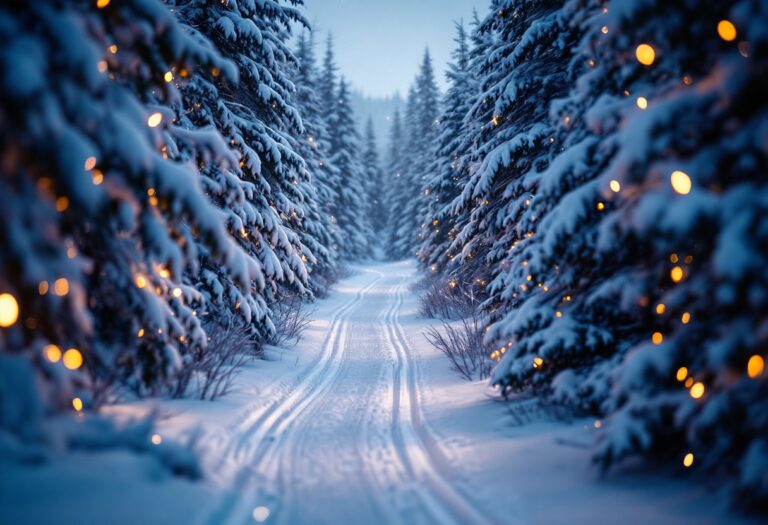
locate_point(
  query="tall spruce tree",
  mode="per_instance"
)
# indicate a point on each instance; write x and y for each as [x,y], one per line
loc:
[445,181]
[373,178]
[351,211]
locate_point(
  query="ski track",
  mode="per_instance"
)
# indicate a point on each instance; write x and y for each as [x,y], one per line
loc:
[399,469]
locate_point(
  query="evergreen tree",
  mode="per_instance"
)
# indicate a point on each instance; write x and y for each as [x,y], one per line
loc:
[351,207]
[373,178]
[445,181]
[101,224]
[314,147]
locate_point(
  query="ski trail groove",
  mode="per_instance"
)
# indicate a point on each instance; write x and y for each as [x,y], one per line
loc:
[416,447]
[251,442]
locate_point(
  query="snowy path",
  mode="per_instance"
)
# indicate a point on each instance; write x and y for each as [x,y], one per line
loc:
[347,441]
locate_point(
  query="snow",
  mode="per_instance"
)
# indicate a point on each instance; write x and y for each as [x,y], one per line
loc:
[363,421]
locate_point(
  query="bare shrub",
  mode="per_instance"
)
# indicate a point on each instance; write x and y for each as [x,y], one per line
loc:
[209,372]
[462,341]
[448,298]
[290,317]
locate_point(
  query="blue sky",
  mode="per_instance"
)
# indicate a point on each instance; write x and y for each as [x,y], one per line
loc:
[380,43]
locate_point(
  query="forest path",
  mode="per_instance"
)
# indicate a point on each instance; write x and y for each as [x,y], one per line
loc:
[348,442]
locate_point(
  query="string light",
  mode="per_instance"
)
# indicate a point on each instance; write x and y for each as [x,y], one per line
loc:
[101,4]
[538,362]
[755,366]
[642,102]
[102,65]
[597,423]
[676,274]
[682,374]
[615,186]
[697,390]
[141,333]
[156,439]
[42,287]
[77,404]
[177,292]
[97,177]
[681,182]
[62,203]
[154,119]
[260,514]
[660,308]
[72,359]
[685,318]
[113,49]
[726,30]
[9,310]
[645,54]
[657,338]
[61,287]
[168,76]
[600,206]
[140,281]
[688,382]
[688,460]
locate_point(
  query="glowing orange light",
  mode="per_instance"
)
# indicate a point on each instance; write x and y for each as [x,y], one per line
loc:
[537,362]
[9,310]
[61,287]
[657,338]
[682,374]
[140,281]
[73,359]
[660,308]
[97,176]
[645,54]
[676,274]
[755,366]
[688,460]
[600,206]
[177,292]
[615,186]
[642,102]
[685,318]
[697,390]
[101,4]
[62,203]
[726,30]
[168,77]
[77,404]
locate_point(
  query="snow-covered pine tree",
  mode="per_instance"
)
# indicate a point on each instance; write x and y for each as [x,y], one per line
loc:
[394,169]
[328,84]
[421,128]
[373,179]
[649,246]
[351,210]
[445,182]
[99,225]
[314,148]
[402,225]
[264,197]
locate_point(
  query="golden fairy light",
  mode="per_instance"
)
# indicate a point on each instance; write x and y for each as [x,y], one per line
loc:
[604,30]
[72,359]
[755,366]
[154,119]
[615,186]
[681,182]
[102,66]
[673,258]
[157,439]
[90,163]
[101,4]
[140,281]
[538,362]
[52,353]
[676,274]
[726,30]
[113,49]
[61,287]
[168,77]
[661,308]
[600,206]
[177,292]
[688,460]
[597,423]
[645,54]
[682,374]
[657,338]
[9,310]
[97,176]
[77,404]
[685,318]
[42,287]
[62,203]
[697,390]
[688,382]
[642,102]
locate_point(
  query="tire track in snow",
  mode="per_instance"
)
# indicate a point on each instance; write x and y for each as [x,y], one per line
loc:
[257,436]
[416,447]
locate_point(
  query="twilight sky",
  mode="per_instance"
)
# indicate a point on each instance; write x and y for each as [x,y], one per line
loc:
[380,43]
